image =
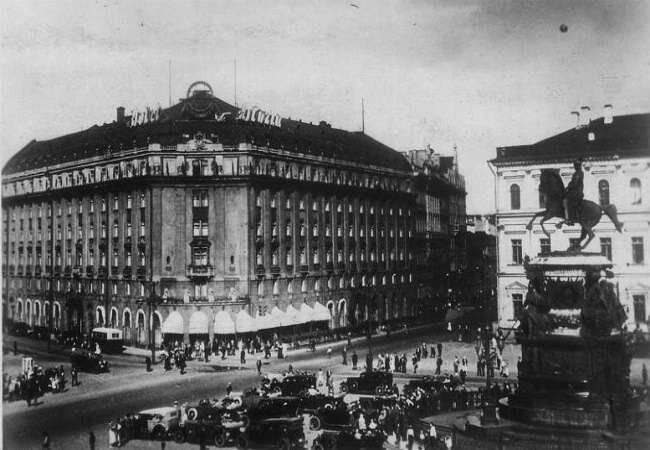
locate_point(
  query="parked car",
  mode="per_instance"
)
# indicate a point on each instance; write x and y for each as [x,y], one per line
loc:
[429,383]
[335,416]
[161,422]
[298,384]
[21,329]
[207,410]
[88,361]
[369,383]
[202,432]
[310,403]
[109,339]
[276,432]
[349,439]
[270,407]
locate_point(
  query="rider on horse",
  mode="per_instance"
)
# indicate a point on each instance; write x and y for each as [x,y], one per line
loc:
[574,194]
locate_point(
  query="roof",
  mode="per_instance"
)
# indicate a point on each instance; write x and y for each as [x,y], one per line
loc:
[197,114]
[626,136]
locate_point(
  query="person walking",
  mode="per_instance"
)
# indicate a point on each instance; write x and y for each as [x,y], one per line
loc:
[355,360]
[329,352]
[259,366]
[91,440]
[228,389]
[345,355]
[45,440]
[242,356]
[644,375]
[15,347]
[439,346]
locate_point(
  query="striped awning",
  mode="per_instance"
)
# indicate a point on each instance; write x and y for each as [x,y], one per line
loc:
[244,323]
[223,323]
[321,312]
[173,324]
[198,323]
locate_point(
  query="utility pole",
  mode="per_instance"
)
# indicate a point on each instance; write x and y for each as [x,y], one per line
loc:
[363,117]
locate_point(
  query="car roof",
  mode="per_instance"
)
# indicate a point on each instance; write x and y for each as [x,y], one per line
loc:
[162,410]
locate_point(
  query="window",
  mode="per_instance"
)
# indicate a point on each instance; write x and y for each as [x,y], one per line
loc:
[542,199]
[260,289]
[276,287]
[603,193]
[199,228]
[259,258]
[303,257]
[275,258]
[143,200]
[116,203]
[128,258]
[635,188]
[200,256]
[637,250]
[606,247]
[289,257]
[574,242]
[303,286]
[102,203]
[516,251]
[639,308]
[515,200]
[517,305]
[199,199]
[129,201]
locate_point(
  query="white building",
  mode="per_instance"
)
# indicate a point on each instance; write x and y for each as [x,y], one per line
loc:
[616,152]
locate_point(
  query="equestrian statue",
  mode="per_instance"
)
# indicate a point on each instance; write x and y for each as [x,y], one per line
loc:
[569,205]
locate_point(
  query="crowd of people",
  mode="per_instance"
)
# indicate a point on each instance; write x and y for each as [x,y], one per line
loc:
[34,382]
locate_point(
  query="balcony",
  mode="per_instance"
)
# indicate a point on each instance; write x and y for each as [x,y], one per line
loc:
[57,271]
[275,270]
[37,271]
[102,272]
[76,271]
[329,266]
[19,270]
[12,269]
[127,272]
[304,268]
[90,271]
[200,271]
[141,272]
[67,271]
[259,269]
[115,270]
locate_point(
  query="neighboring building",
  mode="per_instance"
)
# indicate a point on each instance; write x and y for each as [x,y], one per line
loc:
[480,280]
[439,245]
[203,219]
[482,223]
[616,152]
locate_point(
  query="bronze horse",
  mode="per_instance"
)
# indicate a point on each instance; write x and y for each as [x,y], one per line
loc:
[589,213]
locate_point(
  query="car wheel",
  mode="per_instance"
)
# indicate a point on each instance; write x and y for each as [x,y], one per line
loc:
[179,436]
[242,442]
[328,406]
[220,439]
[344,387]
[379,390]
[276,389]
[158,433]
[192,414]
[314,423]
[246,421]
[354,386]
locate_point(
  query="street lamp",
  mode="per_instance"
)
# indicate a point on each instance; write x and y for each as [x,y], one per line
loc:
[489,408]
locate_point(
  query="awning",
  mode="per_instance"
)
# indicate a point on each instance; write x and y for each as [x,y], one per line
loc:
[321,312]
[278,317]
[306,313]
[173,324]
[198,323]
[223,323]
[290,317]
[244,323]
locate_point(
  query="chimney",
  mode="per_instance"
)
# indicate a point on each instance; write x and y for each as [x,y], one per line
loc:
[608,114]
[120,114]
[577,117]
[585,116]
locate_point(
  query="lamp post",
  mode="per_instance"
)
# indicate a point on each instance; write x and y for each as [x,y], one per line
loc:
[489,408]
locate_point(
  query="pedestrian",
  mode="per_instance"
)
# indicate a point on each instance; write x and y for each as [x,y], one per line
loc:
[349,338]
[228,389]
[259,366]
[242,356]
[355,360]
[438,364]
[91,440]
[345,355]
[433,351]
[74,375]
[439,346]
[329,352]
[456,364]
[15,347]
[644,375]
[45,440]
[147,362]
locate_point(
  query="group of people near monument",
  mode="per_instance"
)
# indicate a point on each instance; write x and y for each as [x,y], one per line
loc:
[35,382]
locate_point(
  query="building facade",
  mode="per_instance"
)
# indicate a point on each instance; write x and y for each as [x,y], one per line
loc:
[616,154]
[204,219]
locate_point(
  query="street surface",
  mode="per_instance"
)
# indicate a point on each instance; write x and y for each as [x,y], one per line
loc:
[69,417]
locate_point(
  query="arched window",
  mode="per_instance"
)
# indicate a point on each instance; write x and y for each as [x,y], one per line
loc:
[635,187]
[603,192]
[515,197]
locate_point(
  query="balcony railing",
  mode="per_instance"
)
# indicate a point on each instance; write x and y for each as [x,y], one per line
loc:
[141,272]
[127,272]
[275,269]
[37,271]
[200,271]
[57,271]
[76,271]
[90,270]
[12,269]
[102,272]
[67,271]
[115,270]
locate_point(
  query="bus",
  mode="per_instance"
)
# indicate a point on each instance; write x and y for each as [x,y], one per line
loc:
[109,339]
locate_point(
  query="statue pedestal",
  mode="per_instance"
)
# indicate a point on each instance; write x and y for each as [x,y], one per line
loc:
[574,389]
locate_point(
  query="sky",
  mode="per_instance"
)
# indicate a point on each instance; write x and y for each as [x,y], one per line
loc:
[475,74]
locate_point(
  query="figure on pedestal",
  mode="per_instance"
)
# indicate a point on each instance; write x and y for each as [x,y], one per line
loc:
[574,194]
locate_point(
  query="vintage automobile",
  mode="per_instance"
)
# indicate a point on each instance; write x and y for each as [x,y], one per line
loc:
[298,384]
[429,383]
[349,439]
[310,403]
[207,410]
[203,432]
[270,407]
[161,422]
[109,339]
[277,432]
[335,416]
[88,361]
[375,382]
